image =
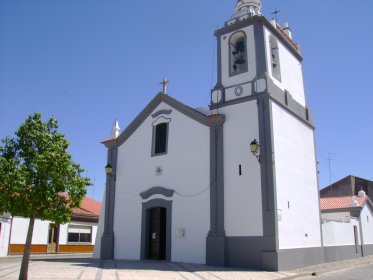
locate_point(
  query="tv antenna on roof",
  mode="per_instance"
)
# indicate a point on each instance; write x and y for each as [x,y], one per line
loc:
[329,159]
[275,14]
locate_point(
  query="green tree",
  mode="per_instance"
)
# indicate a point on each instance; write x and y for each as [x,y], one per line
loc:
[38,178]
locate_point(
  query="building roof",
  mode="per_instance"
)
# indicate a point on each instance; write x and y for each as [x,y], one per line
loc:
[88,207]
[342,202]
[194,114]
[347,185]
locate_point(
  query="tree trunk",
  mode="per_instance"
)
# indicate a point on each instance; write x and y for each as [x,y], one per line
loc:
[27,251]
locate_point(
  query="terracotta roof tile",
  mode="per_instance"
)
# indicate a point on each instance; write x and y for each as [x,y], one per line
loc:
[340,202]
[89,206]
[108,140]
[292,43]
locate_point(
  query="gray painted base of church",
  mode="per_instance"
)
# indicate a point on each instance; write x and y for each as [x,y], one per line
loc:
[292,258]
[246,251]
[257,252]
[107,246]
[339,253]
[367,250]
[215,251]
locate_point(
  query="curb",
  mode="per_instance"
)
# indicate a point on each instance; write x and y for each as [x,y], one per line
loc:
[54,256]
[321,271]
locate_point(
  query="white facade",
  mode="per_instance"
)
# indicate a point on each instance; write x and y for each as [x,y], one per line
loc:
[296,182]
[290,67]
[228,205]
[339,226]
[5,225]
[366,218]
[185,169]
[243,196]
[339,233]
[79,235]
[41,231]
[20,227]
[99,231]
[63,234]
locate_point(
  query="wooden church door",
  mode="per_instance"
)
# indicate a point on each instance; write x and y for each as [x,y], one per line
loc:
[157,233]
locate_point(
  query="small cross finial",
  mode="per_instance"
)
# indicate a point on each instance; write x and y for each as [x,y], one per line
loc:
[275,13]
[164,85]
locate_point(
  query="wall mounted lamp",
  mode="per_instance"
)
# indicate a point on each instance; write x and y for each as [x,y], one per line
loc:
[255,149]
[108,169]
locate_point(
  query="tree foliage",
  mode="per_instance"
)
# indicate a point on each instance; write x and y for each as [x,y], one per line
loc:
[38,177]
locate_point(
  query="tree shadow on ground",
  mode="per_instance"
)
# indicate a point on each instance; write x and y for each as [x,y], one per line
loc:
[141,265]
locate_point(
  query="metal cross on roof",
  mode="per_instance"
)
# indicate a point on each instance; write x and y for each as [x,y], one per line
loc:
[164,85]
[275,13]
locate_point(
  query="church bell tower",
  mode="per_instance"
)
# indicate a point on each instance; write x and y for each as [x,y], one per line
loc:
[248,54]
[273,195]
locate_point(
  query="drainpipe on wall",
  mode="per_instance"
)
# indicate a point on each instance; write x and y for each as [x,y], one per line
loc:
[361,236]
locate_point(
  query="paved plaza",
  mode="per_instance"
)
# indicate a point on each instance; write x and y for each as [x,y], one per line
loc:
[87,268]
[84,267]
[73,267]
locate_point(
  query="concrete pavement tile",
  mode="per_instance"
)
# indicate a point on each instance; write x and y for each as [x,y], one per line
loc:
[108,274]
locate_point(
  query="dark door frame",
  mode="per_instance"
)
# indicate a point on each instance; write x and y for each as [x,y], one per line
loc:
[154,203]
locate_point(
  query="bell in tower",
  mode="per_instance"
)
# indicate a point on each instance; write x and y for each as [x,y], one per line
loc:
[238,53]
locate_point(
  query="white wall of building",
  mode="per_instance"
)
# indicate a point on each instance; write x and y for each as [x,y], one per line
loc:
[185,169]
[41,231]
[296,182]
[366,217]
[336,233]
[20,227]
[62,238]
[251,59]
[64,231]
[100,230]
[242,194]
[291,70]
[343,216]
[5,221]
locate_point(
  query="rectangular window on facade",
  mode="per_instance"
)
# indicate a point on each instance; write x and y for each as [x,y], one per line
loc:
[79,234]
[160,139]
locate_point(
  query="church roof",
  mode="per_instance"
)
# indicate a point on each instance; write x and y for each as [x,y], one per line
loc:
[194,114]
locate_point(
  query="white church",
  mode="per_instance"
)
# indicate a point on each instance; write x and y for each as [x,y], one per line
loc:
[183,184]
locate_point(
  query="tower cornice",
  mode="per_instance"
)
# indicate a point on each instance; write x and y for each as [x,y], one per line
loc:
[238,24]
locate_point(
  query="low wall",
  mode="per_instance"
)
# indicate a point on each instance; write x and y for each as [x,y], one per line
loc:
[76,248]
[15,249]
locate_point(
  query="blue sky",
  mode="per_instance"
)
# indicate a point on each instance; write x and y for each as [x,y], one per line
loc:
[87,62]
